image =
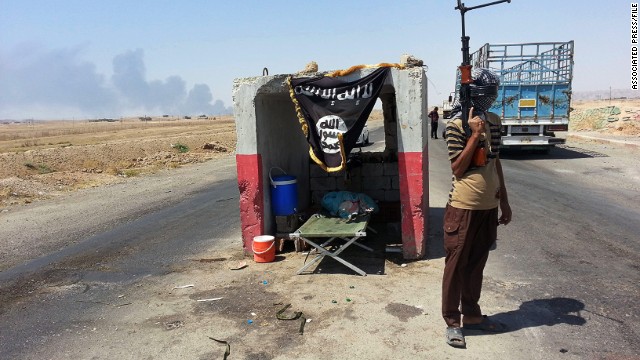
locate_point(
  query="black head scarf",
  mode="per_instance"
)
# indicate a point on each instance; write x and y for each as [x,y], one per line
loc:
[480,77]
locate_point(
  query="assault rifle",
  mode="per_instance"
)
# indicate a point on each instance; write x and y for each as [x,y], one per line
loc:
[466,90]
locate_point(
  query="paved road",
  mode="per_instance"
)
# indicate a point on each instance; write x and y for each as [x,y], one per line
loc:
[565,271]
[571,254]
[570,257]
[152,225]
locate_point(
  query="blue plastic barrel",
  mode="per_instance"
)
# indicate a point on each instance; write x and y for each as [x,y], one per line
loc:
[284,194]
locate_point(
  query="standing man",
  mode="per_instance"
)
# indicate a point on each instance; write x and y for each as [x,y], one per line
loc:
[471,215]
[433,115]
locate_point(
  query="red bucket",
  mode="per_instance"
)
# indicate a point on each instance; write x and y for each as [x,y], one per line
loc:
[264,249]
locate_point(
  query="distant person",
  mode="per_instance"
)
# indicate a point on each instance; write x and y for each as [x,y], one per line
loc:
[471,215]
[433,115]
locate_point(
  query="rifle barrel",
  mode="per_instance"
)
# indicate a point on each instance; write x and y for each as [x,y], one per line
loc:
[465,90]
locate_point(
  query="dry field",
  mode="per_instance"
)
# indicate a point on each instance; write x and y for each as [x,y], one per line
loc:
[39,160]
[615,117]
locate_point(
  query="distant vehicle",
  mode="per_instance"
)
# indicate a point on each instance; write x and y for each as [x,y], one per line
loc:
[447,106]
[534,97]
[363,139]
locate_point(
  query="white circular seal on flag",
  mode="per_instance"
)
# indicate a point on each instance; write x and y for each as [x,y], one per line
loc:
[328,128]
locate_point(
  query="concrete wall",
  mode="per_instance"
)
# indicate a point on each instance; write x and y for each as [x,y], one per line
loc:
[269,135]
[282,145]
[409,109]
[377,177]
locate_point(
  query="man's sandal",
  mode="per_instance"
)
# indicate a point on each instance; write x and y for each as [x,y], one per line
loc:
[486,325]
[455,337]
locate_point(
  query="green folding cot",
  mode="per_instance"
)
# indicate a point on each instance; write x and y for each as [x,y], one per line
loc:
[332,228]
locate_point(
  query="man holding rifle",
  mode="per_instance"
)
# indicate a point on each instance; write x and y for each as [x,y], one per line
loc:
[471,215]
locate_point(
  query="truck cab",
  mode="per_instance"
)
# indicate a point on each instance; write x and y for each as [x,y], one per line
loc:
[447,106]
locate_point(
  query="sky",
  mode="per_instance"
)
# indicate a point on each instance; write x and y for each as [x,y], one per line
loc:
[68,59]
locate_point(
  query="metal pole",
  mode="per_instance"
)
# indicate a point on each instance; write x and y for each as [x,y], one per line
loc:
[465,67]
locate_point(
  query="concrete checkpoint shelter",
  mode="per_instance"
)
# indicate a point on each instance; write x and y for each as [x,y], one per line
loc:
[269,136]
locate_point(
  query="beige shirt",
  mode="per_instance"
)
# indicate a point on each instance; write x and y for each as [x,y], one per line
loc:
[479,187]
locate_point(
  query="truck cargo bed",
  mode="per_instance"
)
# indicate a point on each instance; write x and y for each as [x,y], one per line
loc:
[534,97]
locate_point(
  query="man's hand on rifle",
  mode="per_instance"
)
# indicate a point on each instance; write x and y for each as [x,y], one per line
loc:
[476,124]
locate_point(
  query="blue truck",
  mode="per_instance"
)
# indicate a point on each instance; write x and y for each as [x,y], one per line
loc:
[534,98]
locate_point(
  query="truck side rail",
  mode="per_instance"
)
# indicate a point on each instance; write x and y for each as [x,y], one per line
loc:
[530,63]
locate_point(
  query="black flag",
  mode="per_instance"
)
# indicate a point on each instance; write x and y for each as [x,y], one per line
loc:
[332,113]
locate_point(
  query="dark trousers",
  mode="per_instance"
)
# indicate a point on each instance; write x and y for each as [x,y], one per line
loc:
[468,237]
[434,130]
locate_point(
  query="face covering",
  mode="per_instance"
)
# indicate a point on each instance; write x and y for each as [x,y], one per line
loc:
[480,77]
[484,77]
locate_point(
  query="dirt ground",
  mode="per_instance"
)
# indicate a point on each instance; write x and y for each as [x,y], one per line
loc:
[615,117]
[156,317]
[40,160]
